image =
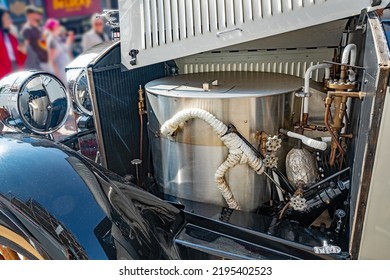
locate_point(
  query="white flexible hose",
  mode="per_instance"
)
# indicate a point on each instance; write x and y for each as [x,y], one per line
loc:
[170,126]
[326,139]
[319,145]
[239,151]
[349,55]
[231,161]
[349,49]
[307,82]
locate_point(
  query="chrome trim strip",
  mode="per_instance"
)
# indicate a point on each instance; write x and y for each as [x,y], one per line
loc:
[96,118]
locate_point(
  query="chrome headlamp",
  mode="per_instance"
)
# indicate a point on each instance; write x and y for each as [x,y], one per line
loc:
[78,86]
[33,101]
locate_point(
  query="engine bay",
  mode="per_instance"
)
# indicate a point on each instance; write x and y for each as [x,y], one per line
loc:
[274,133]
[226,143]
[262,140]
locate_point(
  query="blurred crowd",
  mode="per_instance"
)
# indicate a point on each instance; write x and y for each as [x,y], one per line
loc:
[39,45]
[45,46]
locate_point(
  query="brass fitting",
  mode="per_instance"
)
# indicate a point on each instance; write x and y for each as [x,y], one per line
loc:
[352,94]
[338,113]
[342,84]
[343,73]
[261,138]
[141,101]
[263,142]
[305,119]
[299,189]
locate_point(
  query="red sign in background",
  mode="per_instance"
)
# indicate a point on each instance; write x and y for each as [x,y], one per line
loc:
[72,8]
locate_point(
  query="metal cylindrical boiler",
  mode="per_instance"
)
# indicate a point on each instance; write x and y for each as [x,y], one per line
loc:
[251,101]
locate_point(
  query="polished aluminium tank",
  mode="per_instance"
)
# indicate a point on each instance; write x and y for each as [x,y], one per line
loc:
[251,101]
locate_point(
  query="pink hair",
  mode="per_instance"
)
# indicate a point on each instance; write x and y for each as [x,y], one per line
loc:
[51,24]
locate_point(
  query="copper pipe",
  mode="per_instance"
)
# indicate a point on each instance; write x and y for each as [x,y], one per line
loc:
[141,133]
[338,114]
[343,73]
[343,107]
[334,137]
[327,114]
[335,143]
[340,101]
[305,119]
[353,94]
[332,156]
[312,127]
[341,161]
[283,210]
[349,135]
[141,112]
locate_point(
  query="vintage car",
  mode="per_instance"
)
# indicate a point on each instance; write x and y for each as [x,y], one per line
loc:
[206,130]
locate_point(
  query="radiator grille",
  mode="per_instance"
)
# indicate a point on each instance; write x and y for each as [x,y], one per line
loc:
[117,101]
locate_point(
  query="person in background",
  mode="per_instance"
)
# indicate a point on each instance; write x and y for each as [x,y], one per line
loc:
[37,57]
[12,55]
[58,48]
[96,35]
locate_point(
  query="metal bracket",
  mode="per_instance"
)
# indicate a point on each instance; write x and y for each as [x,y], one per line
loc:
[302,94]
[361,25]
[133,54]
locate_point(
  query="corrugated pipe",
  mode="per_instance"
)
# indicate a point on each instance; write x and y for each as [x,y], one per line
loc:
[239,151]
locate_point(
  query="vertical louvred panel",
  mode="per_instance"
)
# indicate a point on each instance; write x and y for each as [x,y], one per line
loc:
[293,62]
[168,21]
[167,29]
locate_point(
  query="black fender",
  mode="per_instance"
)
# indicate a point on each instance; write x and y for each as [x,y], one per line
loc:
[68,207]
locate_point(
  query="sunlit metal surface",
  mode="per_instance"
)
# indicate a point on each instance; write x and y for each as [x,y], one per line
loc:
[212,230]
[77,79]
[252,101]
[78,86]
